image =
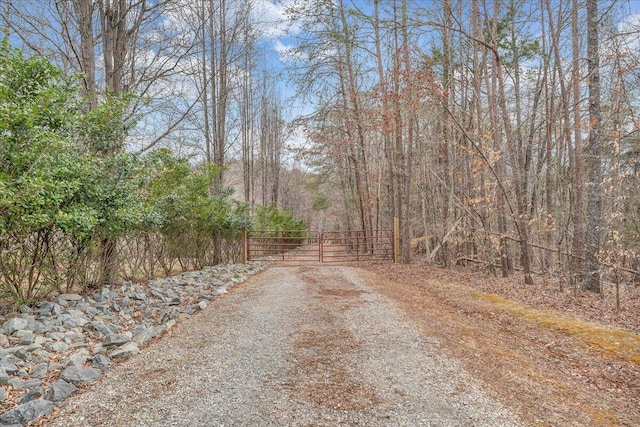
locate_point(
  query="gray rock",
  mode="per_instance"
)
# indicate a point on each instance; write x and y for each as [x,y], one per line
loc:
[43,307]
[3,394]
[4,377]
[54,366]
[56,335]
[33,347]
[71,337]
[79,358]
[25,309]
[71,297]
[60,390]
[27,339]
[9,364]
[168,314]
[127,350]
[22,332]
[40,370]
[22,353]
[202,305]
[116,340]
[27,412]
[101,362]
[18,384]
[150,313]
[32,394]
[170,324]
[125,316]
[74,321]
[140,296]
[220,291]
[34,325]
[58,346]
[78,345]
[56,310]
[99,327]
[78,375]
[16,324]
[145,335]
[189,310]
[14,382]
[41,341]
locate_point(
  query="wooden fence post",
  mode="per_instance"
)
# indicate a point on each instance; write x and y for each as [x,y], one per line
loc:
[245,246]
[396,240]
[282,243]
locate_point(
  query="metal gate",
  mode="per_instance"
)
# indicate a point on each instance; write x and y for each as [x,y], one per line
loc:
[318,246]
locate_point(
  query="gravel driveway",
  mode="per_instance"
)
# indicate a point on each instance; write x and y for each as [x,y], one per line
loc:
[292,346]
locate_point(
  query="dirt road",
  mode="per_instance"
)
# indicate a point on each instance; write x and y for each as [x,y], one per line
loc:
[292,346]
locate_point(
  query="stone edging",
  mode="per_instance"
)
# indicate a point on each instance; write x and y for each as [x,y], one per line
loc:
[46,352]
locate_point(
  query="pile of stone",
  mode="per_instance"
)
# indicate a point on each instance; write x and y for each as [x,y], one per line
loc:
[49,350]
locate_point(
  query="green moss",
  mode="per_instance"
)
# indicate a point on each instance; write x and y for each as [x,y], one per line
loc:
[623,344]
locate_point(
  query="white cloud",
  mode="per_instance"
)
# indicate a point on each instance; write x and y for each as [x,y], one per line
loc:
[629,28]
[288,52]
[273,20]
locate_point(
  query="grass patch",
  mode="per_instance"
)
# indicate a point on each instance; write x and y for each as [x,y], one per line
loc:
[623,344]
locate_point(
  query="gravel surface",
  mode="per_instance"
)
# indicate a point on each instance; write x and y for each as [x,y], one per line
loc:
[292,346]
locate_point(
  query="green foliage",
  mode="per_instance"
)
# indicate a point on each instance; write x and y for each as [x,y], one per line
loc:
[320,202]
[181,200]
[509,41]
[102,130]
[271,218]
[67,185]
[40,170]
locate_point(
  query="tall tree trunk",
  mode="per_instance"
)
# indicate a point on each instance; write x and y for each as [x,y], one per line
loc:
[576,260]
[357,138]
[565,105]
[593,153]
[113,18]
[85,10]
[385,114]
[518,161]
[405,219]
[205,83]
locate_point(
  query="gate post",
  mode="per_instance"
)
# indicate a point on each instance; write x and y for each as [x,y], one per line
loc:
[282,243]
[245,246]
[396,240]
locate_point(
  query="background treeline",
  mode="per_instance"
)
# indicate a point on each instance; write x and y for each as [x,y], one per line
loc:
[503,134]
[66,188]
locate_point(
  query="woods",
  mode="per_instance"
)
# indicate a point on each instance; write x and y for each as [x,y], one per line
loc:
[502,135]
[486,128]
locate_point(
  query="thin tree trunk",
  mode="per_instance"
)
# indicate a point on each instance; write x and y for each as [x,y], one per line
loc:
[576,261]
[386,124]
[85,10]
[205,84]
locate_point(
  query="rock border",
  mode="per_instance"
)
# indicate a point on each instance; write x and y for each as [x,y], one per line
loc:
[47,352]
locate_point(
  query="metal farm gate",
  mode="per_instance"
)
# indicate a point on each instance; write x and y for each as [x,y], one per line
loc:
[319,246]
